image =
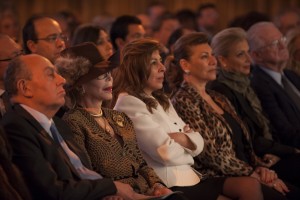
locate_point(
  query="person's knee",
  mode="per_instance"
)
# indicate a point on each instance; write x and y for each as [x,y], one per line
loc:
[242,187]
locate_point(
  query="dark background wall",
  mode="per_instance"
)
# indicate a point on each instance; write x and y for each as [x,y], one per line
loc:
[87,9]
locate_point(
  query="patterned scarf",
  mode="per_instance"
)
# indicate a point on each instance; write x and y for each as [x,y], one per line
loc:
[241,83]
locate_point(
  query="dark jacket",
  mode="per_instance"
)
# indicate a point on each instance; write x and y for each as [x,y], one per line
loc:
[283,114]
[45,166]
[11,182]
[247,114]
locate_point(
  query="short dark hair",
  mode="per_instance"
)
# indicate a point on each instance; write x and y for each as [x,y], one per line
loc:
[187,19]
[205,6]
[154,4]
[119,28]
[86,33]
[29,32]
[16,70]
[159,21]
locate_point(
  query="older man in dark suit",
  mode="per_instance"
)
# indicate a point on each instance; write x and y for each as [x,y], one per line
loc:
[52,165]
[278,89]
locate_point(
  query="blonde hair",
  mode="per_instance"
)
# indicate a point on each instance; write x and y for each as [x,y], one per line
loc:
[222,42]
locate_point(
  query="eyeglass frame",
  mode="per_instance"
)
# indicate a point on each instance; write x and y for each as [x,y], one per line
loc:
[104,76]
[19,53]
[275,43]
[54,37]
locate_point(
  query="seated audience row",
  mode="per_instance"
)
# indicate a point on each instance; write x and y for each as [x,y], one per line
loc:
[231,49]
[167,143]
[148,150]
[228,150]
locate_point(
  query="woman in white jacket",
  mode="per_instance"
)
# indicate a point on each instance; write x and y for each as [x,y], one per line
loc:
[167,143]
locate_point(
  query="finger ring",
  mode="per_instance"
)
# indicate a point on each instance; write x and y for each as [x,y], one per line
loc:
[274,185]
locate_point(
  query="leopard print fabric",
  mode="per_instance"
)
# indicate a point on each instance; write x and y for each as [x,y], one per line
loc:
[119,159]
[218,157]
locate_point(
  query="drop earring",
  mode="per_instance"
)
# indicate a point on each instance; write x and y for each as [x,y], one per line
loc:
[187,72]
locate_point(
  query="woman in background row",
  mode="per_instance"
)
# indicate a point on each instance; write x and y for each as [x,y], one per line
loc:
[228,148]
[167,143]
[96,35]
[231,48]
[105,135]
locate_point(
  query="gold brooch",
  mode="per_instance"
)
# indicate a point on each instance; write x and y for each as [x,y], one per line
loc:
[119,120]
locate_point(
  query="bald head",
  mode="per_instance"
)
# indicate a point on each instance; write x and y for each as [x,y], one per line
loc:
[32,80]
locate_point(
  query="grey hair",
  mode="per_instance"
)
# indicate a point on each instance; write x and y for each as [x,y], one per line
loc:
[255,35]
[16,71]
[222,42]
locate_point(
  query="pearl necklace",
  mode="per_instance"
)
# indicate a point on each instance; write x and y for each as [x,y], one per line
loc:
[97,115]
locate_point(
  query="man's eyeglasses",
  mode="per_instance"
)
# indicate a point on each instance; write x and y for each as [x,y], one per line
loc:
[54,38]
[275,43]
[16,54]
[104,76]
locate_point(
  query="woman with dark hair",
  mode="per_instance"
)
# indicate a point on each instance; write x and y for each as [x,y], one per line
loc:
[228,148]
[96,35]
[167,143]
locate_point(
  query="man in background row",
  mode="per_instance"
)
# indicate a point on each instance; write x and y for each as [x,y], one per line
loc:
[43,35]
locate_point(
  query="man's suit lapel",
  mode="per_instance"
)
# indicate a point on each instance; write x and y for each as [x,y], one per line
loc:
[31,120]
[262,75]
[66,134]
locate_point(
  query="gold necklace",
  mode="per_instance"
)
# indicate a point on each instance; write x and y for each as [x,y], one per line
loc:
[104,124]
[107,129]
[97,115]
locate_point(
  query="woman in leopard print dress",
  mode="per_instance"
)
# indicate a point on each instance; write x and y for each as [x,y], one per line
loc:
[228,149]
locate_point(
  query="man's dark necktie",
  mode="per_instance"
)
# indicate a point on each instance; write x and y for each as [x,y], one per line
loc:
[54,132]
[291,92]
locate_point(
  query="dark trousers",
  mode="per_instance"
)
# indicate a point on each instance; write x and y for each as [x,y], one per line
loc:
[288,169]
[272,194]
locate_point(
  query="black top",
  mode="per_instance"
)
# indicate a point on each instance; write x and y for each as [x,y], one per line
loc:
[237,137]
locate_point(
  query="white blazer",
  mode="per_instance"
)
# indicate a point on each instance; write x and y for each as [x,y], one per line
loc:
[171,161]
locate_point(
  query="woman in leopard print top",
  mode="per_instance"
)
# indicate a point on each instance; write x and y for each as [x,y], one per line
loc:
[228,149]
[105,135]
